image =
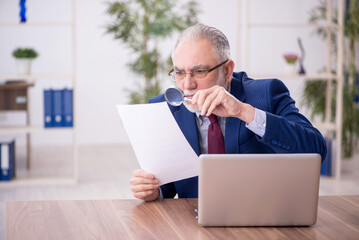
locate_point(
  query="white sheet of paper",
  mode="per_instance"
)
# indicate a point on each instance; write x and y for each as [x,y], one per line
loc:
[158,142]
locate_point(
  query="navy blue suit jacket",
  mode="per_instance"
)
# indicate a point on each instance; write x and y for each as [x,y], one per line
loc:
[287,131]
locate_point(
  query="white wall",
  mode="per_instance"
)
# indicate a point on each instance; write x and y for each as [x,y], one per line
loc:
[101,61]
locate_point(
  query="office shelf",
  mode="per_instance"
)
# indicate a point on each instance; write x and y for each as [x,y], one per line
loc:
[34,77]
[244,25]
[292,25]
[39,181]
[306,77]
[32,129]
[36,24]
[29,129]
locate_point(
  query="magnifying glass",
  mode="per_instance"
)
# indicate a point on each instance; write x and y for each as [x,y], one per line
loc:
[175,96]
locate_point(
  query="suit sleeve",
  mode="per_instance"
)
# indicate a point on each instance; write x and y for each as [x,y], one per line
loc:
[168,190]
[286,129]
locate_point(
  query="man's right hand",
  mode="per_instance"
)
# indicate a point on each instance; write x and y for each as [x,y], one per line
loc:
[144,185]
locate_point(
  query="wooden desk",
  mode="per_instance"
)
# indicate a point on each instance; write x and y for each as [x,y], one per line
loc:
[338,218]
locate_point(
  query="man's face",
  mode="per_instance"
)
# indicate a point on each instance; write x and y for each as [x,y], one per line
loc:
[190,55]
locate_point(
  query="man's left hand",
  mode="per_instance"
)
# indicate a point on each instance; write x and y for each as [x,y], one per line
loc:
[218,101]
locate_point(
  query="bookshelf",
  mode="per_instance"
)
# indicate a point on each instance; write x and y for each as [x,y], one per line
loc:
[243,28]
[34,77]
[29,128]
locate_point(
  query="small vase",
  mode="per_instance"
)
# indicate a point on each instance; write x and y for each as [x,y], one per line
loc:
[290,69]
[23,66]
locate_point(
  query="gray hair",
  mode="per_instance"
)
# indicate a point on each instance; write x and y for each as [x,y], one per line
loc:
[217,39]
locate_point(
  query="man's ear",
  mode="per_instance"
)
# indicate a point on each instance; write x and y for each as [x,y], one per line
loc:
[228,68]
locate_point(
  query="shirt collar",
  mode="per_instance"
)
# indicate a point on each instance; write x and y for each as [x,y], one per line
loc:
[200,118]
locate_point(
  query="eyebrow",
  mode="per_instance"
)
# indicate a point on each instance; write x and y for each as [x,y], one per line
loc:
[200,66]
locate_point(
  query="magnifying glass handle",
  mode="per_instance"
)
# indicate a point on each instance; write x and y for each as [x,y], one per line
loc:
[187,99]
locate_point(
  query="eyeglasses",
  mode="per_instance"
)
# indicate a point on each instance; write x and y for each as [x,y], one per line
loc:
[197,73]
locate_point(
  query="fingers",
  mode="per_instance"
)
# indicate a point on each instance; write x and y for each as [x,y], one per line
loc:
[208,99]
[142,173]
[143,184]
[218,101]
[143,187]
[211,102]
[141,177]
[141,180]
[151,194]
[146,194]
[213,105]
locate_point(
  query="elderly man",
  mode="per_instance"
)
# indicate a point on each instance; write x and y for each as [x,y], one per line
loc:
[229,112]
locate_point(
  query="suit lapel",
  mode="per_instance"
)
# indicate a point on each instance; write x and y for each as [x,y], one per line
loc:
[233,125]
[187,123]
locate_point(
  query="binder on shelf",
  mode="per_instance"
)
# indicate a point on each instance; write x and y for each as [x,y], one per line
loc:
[67,108]
[326,168]
[57,107]
[7,160]
[48,108]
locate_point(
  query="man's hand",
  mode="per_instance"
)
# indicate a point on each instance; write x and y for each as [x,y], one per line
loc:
[218,101]
[144,185]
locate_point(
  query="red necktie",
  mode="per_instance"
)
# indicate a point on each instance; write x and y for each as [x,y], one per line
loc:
[215,137]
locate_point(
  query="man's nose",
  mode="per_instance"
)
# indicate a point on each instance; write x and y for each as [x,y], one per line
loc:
[189,82]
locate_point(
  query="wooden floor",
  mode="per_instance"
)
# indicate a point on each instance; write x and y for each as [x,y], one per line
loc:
[104,173]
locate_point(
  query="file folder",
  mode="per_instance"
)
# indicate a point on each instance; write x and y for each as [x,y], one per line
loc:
[48,108]
[57,106]
[326,168]
[67,108]
[7,160]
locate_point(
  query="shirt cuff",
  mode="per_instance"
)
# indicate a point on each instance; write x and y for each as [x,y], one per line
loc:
[258,125]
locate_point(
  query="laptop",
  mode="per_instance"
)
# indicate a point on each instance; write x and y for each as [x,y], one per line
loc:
[258,189]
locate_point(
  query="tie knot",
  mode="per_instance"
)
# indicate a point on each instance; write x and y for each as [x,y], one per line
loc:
[212,118]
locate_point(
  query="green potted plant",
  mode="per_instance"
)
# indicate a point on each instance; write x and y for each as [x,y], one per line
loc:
[24,57]
[142,26]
